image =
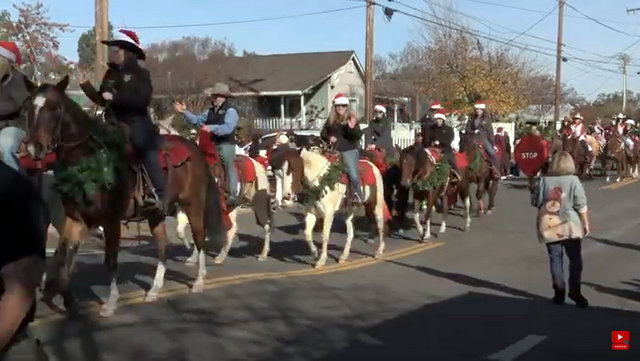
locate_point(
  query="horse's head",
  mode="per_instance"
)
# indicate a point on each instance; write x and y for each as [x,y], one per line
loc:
[46,117]
[407,166]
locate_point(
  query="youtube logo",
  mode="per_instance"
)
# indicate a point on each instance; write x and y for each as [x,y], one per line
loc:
[619,340]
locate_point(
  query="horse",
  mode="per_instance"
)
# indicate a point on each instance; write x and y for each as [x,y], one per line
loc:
[596,149]
[581,157]
[478,171]
[626,166]
[316,168]
[417,167]
[58,125]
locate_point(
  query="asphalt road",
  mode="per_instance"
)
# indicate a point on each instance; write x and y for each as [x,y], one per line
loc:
[480,295]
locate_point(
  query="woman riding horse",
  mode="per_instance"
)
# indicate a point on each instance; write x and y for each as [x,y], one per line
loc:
[126,92]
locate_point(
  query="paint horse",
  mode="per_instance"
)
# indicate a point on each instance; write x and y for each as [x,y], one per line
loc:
[476,170]
[425,177]
[330,200]
[253,188]
[58,125]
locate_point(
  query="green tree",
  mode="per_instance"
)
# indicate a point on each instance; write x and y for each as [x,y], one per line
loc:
[5,25]
[87,48]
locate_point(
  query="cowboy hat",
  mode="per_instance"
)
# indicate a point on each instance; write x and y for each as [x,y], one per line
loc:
[630,121]
[127,40]
[282,139]
[218,89]
[620,116]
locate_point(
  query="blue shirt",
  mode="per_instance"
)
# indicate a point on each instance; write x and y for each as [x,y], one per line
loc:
[230,121]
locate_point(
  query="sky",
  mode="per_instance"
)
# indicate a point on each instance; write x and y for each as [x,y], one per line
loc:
[590,48]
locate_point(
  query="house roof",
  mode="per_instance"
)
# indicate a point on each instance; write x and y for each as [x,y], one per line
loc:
[393,88]
[296,72]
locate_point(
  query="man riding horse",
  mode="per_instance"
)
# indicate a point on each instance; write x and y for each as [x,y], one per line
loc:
[126,92]
[441,136]
[623,128]
[13,95]
[480,123]
[428,118]
[220,121]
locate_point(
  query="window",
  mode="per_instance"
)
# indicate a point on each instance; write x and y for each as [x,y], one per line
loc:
[353,106]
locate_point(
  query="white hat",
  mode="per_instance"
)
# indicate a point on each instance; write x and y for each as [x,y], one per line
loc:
[340,99]
[578,116]
[480,105]
[630,121]
[282,139]
[380,108]
[620,116]
[439,115]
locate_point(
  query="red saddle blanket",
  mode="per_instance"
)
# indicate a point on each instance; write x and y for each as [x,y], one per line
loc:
[376,157]
[176,150]
[365,172]
[28,164]
[435,153]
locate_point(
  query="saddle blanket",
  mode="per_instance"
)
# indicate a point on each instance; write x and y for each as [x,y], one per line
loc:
[365,172]
[176,150]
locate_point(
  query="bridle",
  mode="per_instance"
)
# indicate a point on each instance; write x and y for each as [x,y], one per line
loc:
[56,142]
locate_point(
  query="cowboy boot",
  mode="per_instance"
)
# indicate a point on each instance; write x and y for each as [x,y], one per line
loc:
[559,295]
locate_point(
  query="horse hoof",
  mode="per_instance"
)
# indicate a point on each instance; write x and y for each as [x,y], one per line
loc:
[198,287]
[343,260]
[151,297]
[378,255]
[107,311]
[190,262]
[262,258]
[319,264]
[218,260]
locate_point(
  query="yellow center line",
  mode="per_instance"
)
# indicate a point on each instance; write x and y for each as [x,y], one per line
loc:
[137,297]
[620,184]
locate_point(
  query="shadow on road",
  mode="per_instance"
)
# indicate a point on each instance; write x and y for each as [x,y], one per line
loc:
[609,242]
[633,295]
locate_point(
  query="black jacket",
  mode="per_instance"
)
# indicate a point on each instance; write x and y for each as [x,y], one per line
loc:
[483,124]
[379,134]
[348,138]
[131,87]
[443,134]
[13,97]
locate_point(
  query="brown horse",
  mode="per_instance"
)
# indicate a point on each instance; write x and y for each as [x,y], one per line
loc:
[58,125]
[581,156]
[615,151]
[478,172]
[418,165]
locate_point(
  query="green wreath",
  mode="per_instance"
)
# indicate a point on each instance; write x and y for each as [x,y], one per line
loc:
[436,178]
[475,160]
[99,171]
[312,193]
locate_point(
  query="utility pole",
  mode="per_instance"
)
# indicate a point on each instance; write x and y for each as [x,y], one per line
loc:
[625,59]
[101,30]
[368,63]
[558,92]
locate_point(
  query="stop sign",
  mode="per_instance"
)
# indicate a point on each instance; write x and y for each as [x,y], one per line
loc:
[530,154]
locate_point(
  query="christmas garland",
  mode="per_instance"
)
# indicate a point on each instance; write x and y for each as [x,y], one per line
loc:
[92,173]
[436,178]
[312,193]
[474,164]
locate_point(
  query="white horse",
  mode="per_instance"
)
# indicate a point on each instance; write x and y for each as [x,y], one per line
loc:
[315,166]
[258,195]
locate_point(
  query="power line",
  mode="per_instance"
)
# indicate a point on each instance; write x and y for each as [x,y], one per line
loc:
[541,11]
[233,22]
[525,47]
[536,23]
[600,22]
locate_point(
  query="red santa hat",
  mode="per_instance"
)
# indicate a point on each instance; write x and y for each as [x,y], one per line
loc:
[578,116]
[435,105]
[127,39]
[439,115]
[480,105]
[340,99]
[10,51]
[380,108]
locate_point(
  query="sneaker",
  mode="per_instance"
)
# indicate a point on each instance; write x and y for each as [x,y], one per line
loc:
[579,299]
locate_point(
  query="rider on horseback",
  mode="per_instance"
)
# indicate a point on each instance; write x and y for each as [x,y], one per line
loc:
[126,94]
[427,119]
[480,123]
[220,120]
[579,132]
[342,131]
[441,136]
[379,134]
[622,129]
[13,94]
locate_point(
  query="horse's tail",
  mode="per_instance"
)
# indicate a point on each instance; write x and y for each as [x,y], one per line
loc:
[261,202]
[213,211]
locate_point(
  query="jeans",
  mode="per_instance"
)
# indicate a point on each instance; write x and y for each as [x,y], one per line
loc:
[227,153]
[10,139]
[488,147]
[145,141]
[350,160]
[573,249]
